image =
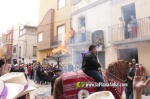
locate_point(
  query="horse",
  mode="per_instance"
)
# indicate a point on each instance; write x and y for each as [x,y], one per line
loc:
[116,71]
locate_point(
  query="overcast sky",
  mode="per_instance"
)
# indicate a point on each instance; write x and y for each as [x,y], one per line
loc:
[17,11]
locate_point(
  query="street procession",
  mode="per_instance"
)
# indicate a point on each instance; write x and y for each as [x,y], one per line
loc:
[74,49]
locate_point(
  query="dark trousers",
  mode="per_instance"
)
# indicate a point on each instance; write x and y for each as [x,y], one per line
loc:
[129,93]
[72,40]
[97,76]
[26,75]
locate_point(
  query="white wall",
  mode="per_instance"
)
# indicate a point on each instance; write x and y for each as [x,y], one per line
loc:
[97,18]
[31,41]
[15,35]
[82,4]
[27,51]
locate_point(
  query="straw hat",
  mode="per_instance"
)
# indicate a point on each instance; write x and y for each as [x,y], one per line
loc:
[101,95]
[17,78]
[7,90]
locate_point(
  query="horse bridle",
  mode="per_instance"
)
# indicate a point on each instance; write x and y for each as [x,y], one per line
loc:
[115,77]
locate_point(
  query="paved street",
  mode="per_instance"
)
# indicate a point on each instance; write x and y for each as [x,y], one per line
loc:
[45,91]
[42,90]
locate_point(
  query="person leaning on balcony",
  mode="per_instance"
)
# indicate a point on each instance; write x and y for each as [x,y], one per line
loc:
[91,67]
[130,34]
[134,26]
[72,36]
[121,29]
[82,31]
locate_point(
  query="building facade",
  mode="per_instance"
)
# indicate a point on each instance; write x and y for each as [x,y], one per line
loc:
[25,48]
[130,32]
[120,38]
[7,45]
[54,21]
[15,42]
[2,41]
[90,21]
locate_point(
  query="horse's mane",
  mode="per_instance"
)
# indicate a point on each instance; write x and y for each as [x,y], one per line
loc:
[118,70]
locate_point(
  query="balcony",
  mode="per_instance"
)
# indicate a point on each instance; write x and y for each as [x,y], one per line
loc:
[8,42]
[78,38]
[120,33]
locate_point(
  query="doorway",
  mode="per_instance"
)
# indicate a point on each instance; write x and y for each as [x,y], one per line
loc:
[128,54]
[77,57]
[128,11]
[101,57]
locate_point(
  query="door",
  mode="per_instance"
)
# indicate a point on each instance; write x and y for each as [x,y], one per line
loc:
[128,11]
[77,57]
[101,58]
[128,54]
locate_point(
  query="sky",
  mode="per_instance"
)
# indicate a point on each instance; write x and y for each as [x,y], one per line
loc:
[13,12]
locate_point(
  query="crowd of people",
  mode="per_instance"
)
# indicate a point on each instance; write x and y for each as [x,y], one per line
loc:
[130,76]
[47,74]
[41,73]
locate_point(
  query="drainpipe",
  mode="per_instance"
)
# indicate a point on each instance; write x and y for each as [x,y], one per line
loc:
[26,49]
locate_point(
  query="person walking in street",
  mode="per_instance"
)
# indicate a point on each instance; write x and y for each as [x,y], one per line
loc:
[91,67]
[26,71]
[133,62]
[57,73]
[70,67]
[130,77]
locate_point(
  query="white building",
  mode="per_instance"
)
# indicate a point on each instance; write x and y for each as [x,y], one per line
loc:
[94,16]
[15,43]
[24,47]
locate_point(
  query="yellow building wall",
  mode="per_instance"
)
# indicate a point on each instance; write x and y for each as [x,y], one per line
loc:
[61,16]
[1,52]
[42,54]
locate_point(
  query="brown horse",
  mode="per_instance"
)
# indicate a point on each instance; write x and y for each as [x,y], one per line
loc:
[116,70]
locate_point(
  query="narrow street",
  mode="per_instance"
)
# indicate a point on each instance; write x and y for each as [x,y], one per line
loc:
[42,90]
[45,91]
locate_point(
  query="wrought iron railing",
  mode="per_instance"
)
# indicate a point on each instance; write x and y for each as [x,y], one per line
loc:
[79,38]
[56,40]
[76,39]
[121,32]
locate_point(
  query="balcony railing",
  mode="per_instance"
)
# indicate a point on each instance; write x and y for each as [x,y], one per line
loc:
[56,40]
[78,38]
[121,32]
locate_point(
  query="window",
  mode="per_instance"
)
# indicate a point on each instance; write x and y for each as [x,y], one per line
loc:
[21,32]
[60,31]
[40,37]
[10,37]
[32,31]
[61,3]
[14,50]
[82,22]
[34,51]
